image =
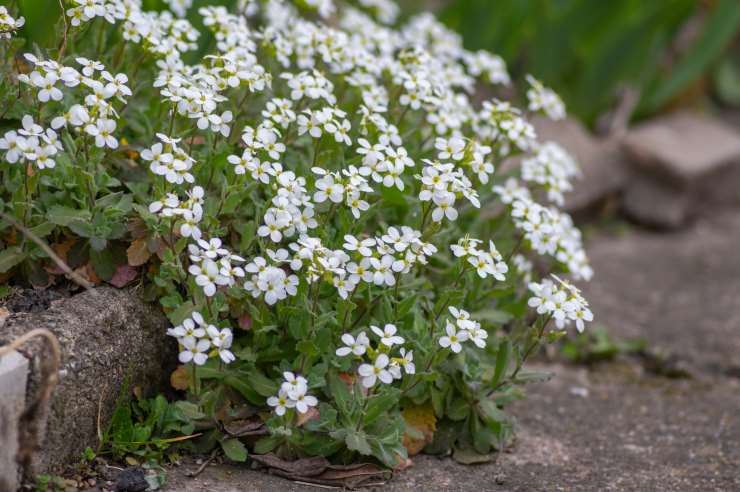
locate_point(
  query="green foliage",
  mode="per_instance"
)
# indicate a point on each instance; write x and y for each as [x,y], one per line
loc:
[148,429]
[598,345]
[588,49]
[114,214]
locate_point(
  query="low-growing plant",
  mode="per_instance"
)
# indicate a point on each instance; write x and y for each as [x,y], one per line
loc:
[352,262]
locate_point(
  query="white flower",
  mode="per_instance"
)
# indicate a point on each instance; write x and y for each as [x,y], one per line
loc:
[194,351]
[303,401]
[281,402]
[372,372]
[357,346]
[388,335]
[208,276]
[293,384]
[407,361]
[103,133]
[454,338]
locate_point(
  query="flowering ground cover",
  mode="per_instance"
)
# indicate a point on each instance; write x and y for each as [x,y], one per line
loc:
[352,265]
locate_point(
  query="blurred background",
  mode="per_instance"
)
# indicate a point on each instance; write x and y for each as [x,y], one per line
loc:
[667,53]
[664,53]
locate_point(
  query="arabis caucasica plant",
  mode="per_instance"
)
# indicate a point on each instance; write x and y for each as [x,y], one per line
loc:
[341,234]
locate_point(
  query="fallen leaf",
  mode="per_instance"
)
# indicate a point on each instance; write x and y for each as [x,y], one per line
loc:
[137,228]
[245,322]
[138,252]
[123,275]
[180,379]
[4,313]
[318,470]
[87,272]
[423,424]
[246,427]
[403,463]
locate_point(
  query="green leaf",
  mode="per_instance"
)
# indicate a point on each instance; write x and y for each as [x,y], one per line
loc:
[490,410]
[533,377]
[234,449]
[244,389]
[188,410]
[262,384]
[380,404]
[467,456]
[458,409]
[102,262]
[357,441]
[43,229]
[267,444]
[495,316]
[341,394]
[308,347]
[10,257]
[64,216]
[405,306]
[502,361]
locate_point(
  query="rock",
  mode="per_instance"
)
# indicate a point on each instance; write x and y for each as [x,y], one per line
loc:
[132,479]
[677,290]
[13,375]
[110,340]
[601,159]
[657,204]
[688,162]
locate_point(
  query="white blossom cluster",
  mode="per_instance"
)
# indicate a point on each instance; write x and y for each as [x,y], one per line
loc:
[421,69]
[31,143]
[553,168]
[199,340]
[461,330]
[8,24]
[545,100]
[562,301]
[293,393]
[95,117]
[548,230]
[485,262]
[380,366]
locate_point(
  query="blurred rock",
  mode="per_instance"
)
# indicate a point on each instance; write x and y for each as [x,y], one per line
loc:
[601,161]
[682,164]
[110,339]
[13,374]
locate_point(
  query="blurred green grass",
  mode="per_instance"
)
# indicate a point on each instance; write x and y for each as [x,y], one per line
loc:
[588,49]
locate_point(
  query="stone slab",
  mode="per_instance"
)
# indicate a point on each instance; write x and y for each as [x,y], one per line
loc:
[13,379]
[683,146]
[602,161]
[110,338]
[680,291]
[611,428]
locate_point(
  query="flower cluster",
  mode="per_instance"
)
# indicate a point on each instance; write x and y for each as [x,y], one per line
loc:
[293,393]
[9,24]
[381,366]
[199,340]
[553,168]
[562,301]
[461,330]
[544,99]
[31,144]
[485,262]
